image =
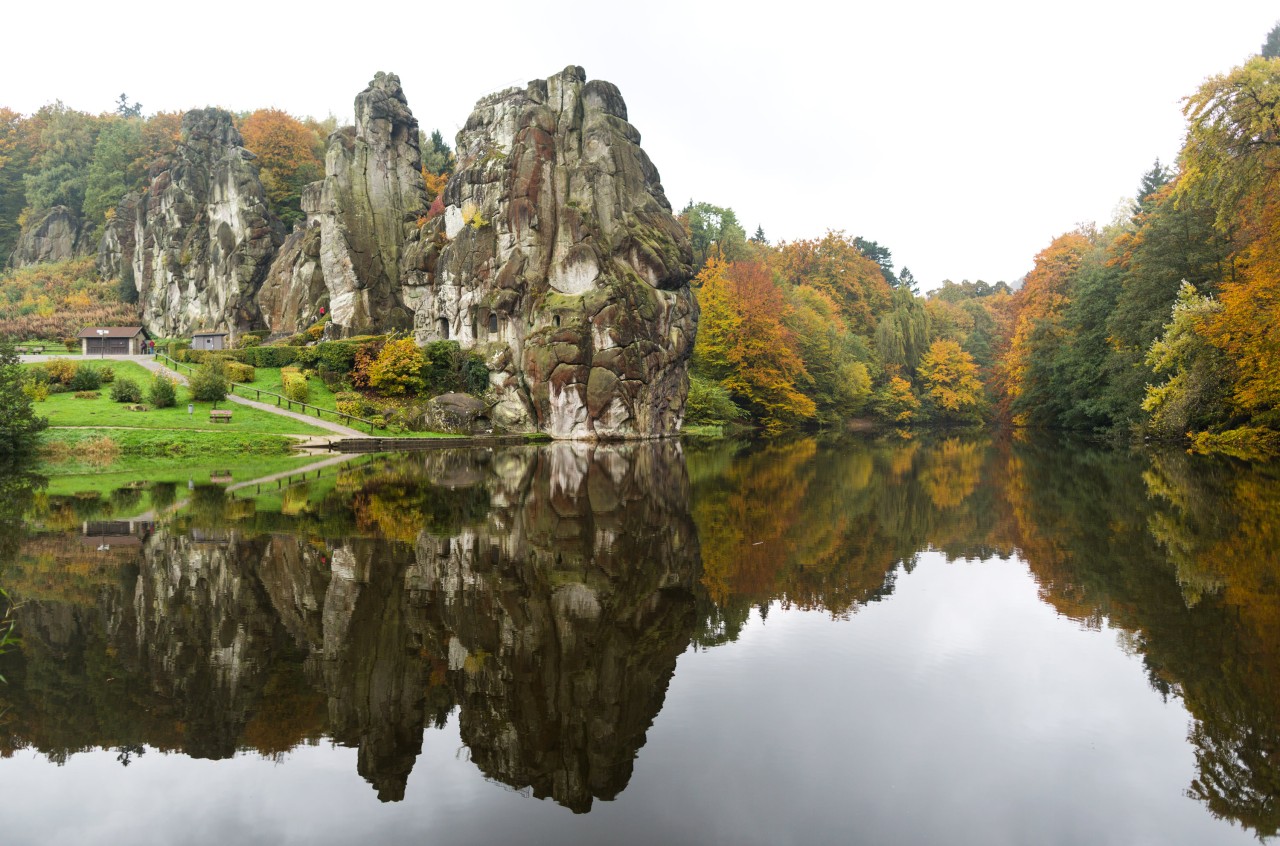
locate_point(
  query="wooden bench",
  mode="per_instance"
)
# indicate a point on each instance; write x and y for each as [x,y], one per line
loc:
[217,416]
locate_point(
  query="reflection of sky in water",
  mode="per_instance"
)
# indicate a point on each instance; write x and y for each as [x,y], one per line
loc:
[960,710]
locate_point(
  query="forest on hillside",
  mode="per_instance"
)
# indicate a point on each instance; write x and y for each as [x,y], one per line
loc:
[1158,324]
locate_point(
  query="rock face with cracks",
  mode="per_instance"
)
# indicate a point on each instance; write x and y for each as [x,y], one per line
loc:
[204,235]
[54,235]
[365,215]
[559,259]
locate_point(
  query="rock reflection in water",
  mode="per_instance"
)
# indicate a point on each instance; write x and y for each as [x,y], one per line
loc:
[543,592]
[562,618]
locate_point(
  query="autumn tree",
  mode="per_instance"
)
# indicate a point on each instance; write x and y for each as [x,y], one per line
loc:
[835,266]
[397,371]
[951,382]
[14,159]
[1191,397]
[838,363]
[1231,161]
[744,343]
[287,159]
[1036,323]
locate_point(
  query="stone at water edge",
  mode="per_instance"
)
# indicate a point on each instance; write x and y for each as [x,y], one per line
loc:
[457,414]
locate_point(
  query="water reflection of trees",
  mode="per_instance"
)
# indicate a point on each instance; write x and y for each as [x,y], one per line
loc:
[543,594]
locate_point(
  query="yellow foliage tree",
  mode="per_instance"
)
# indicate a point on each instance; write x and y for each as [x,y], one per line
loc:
[951,380]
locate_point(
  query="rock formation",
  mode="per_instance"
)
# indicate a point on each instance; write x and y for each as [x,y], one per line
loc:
[559,258]
[115,250]
[294,291]
[366,210]
[205,236]
[53,235]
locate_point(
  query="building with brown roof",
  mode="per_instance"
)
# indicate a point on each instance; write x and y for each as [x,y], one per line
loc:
[112,340]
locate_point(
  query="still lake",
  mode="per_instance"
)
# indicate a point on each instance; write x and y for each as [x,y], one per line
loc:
[946,640]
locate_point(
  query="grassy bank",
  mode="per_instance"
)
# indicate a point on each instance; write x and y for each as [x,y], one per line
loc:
[67,410]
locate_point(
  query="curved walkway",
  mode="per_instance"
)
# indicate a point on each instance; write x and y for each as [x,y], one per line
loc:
[156,367]
[337,428]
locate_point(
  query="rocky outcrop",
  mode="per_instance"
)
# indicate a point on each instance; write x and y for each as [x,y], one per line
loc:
[115,250]
[205,236]
[52,235]
[559,258]
[457,414]
[366,211]
[294,292]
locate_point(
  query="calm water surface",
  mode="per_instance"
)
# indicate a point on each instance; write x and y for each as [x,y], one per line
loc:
[953,641]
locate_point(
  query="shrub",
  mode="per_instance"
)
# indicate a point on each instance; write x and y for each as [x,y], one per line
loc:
[295,385]
[107,374]
[72,344]
[365,356]
[162,394]
[209,382]
[60,370]
[709,403]
[246,341]
[475,374]
[35,390]
[398,369]
[272,356]
[85,378]
[126,390]
[338,356]
[238,372]
[87,394]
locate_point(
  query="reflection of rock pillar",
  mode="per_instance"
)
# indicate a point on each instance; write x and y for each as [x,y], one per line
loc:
[563,619]
[374,673]
[203,632]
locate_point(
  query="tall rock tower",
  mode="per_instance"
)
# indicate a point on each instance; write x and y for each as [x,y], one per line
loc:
[558,257]
[204,235]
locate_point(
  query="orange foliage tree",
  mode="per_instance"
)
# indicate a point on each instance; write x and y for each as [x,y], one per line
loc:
[1232,160]
[835,266]
[287,159]
[745,345]
[1036,307]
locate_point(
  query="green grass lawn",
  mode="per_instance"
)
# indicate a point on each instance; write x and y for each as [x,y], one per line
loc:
[67,410]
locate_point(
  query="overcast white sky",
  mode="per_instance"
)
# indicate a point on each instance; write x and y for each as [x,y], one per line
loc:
[963,136]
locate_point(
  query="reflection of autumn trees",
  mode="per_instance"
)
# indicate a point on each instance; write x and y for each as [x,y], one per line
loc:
[1181,553]
[541,589]
[825,528]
